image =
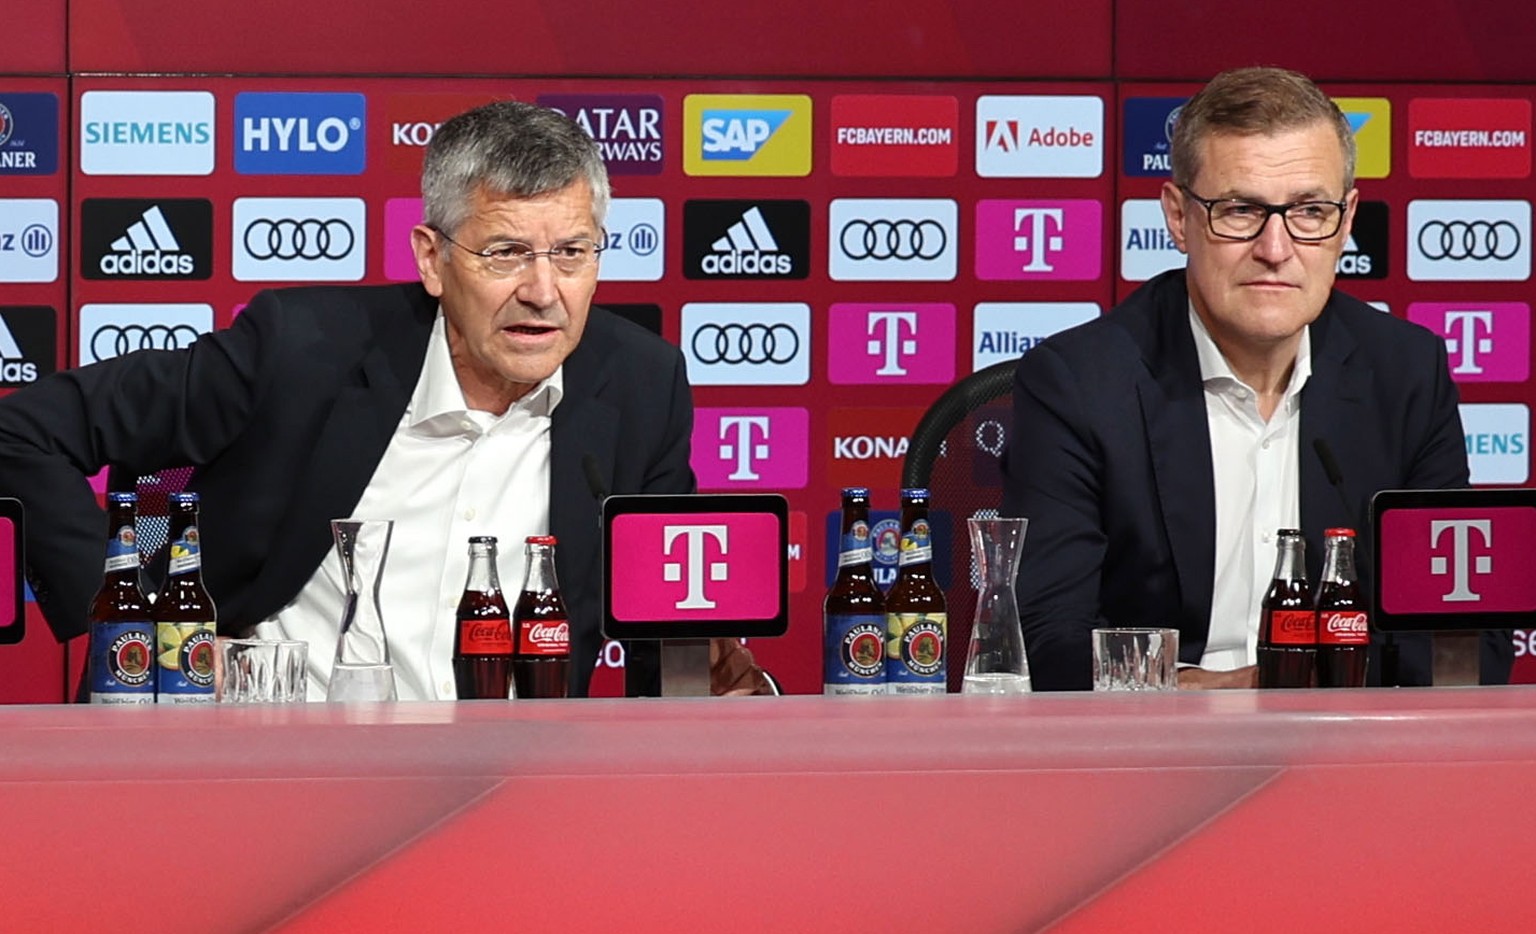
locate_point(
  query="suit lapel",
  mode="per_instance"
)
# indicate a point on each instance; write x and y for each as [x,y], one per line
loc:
[583,426]
[1333,407]
[1173,410]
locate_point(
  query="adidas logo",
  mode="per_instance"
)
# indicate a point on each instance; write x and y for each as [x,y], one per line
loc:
[147,248]
[747,247]
[14,366]
[1352,262]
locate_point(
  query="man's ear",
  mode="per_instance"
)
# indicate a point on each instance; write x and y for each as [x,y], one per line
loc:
[1174,214]
[428,248]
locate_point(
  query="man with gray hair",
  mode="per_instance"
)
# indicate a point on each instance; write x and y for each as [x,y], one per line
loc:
[1157,450]
[475,402]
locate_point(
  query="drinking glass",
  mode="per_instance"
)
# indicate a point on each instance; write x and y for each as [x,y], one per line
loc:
[263,671]
[1135,659]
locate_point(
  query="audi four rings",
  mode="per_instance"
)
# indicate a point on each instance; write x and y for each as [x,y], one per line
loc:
[746,343]
[888,239]
[308,238]
[113,340]
[1456,240]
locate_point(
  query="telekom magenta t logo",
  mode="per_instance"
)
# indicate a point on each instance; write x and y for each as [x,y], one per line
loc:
[695,566]
[758,448]
[691,569]
[871,344]
[1458,560]
[1487,342]
[1039,239]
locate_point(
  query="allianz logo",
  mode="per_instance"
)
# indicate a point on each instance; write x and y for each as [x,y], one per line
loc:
[1012,343]
[747,247]
[868,447]
[296,134]
[1149,238]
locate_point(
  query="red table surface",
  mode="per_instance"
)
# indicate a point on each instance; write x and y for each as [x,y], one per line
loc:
[1279,811]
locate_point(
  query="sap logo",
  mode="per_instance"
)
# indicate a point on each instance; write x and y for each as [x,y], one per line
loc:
[738,134]
[300,133]
[866,447]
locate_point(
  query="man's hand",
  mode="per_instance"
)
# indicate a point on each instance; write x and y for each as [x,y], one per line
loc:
[1199,679]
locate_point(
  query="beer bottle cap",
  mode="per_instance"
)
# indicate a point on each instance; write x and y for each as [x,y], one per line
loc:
[183,499]
[482,539]
[1335,533]
[860,491]
[540,540]
[122,497]
[914,491]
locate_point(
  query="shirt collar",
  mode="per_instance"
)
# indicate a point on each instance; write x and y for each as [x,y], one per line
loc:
[439,398]
[1216,373]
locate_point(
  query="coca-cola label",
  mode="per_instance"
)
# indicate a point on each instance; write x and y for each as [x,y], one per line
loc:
[1292,627]
[485,637]
[544,637]
[1343,627]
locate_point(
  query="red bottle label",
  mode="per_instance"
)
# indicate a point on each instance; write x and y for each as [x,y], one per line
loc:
[1343,627]
[1292,627]
[544,637]
[485,637]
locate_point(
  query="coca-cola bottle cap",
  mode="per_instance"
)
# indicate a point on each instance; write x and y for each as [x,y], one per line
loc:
[540,540]
[1336,533]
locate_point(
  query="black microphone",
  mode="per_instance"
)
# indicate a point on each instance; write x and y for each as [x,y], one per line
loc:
[594,474]
[1389,656]
[642,660]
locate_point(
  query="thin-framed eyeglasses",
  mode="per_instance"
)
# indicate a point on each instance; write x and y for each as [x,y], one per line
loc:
[1242,219]
[508,258]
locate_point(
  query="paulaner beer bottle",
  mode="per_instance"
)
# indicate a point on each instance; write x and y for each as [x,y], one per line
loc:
[543,656]
[916,622]
[1288,627]
[1343,627]
[482,643]
[122,640]
[853,613]
[186,627]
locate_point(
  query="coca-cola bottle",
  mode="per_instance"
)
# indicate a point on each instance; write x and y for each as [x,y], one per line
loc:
[1288,626]
[1343,627]
[543,655]
[482,645]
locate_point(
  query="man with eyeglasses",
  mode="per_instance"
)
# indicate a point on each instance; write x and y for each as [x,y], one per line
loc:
[490,398]
[1157,450]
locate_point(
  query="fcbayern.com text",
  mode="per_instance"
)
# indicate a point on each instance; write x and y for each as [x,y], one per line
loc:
[894,135]
[1469,138]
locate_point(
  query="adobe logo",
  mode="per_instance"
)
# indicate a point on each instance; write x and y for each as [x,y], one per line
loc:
[903,343]
[696,567]
[1486,342]
[1033,240]
[751,448]
[1458,560]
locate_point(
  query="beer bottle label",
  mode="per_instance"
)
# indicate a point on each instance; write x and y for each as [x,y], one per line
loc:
[855,547]
[854,654]
[184,662]
[485,637]
[914,652]
[543,637]
[186,555]
[1343,627]
[917,543]
[122,662]
[1292,627]
[122,550]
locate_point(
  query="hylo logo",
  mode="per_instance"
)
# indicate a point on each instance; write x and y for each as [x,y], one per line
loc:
[300,133]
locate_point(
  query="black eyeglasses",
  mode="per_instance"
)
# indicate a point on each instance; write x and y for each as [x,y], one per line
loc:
[512,257]
[1242,219]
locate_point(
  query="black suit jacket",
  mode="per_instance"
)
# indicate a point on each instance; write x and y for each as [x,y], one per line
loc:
[286,414]
[1110,460]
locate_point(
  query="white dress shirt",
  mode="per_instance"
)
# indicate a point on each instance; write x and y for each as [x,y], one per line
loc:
[1257,492]
[448,473]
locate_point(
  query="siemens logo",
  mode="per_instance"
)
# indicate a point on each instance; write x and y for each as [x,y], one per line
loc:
[152,134]
[300,133]
[146,133]
[1495,444]
[1497,436]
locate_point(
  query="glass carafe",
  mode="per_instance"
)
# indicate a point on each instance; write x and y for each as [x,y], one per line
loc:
[361,671]
[995,663]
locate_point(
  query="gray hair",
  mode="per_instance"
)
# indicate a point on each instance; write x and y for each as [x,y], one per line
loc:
[508,148]
[1255,102]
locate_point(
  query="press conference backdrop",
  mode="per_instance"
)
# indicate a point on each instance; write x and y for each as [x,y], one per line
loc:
[884,207]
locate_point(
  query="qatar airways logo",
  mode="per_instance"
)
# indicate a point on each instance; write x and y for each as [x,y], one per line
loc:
[872,344]
[748,449]
[1449,560]
[1039,239]
[1486,342]
[695,566]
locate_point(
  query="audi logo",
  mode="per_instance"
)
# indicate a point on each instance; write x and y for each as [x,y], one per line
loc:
[745,343]
[111,340]
[308,238]
[1457,240]
[887,239]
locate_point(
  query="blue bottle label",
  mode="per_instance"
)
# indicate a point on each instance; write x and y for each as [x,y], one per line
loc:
[855,547]
[122,663]
[917,543]
[854,654]
[915,652]
[184,662]
[122,550]
[186,555]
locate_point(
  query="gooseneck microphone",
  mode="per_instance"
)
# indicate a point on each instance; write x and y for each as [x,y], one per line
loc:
[642,660]
[1389,658]
[595,482]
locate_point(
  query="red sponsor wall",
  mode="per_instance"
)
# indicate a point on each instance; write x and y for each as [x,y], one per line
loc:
[884,205]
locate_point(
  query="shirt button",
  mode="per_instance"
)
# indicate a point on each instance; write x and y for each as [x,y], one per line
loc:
[467,425]
[448,690]
[1265,445]
[469,514]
